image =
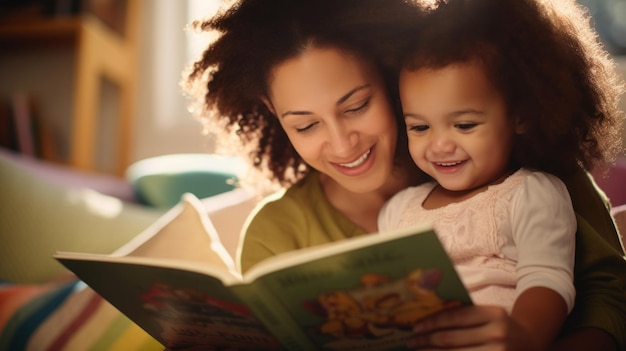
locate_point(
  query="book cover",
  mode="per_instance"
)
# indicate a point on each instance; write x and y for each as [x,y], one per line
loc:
[363,293]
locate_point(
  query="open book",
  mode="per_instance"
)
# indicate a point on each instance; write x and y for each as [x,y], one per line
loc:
[363,293]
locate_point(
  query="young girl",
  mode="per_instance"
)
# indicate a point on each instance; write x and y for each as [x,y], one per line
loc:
[501,98]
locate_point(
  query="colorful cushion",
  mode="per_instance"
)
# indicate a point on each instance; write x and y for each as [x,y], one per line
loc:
[65,316]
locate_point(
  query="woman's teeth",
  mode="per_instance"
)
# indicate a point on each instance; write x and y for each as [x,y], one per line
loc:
[358,162]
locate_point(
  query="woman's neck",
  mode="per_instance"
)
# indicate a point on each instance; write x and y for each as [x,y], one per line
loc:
[363,208]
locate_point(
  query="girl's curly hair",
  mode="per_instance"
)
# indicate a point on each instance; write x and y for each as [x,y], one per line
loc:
[231,78]
[555,76]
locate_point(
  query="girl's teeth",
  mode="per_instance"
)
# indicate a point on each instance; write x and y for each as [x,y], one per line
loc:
[359,161]
[448,164]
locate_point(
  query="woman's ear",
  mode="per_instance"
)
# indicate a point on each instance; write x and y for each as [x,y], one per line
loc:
[268,104]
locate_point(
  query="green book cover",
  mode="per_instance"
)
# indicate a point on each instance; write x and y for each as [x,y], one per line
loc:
[367,293]
[363,293]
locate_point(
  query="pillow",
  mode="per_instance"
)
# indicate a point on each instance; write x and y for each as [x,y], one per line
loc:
[161,181]
[38,218]
[65,316]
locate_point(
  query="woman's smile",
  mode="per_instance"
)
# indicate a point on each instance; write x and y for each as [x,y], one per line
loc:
[358,161]
[359,166]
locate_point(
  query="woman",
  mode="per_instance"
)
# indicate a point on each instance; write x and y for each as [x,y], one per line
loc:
[309,86]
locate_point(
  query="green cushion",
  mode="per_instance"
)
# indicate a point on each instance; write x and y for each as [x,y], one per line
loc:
[161,181]
[39,217]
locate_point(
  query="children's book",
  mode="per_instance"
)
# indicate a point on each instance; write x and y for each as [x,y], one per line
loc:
[176,281]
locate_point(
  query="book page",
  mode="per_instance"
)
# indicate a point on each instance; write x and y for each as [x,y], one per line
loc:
[178,306]
[185,233]
[296,257]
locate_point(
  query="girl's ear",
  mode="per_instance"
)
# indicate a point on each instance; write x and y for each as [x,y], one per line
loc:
[520,126]
[268,104]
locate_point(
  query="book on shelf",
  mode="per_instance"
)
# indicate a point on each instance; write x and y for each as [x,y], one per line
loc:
[26,125]
[22,129]
[8,137]
[176,281]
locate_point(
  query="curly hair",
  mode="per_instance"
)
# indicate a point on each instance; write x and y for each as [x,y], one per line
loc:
[231,77]
[555,76]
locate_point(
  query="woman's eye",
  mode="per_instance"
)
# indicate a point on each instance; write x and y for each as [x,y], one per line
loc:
[466,126]
[306,128]
[360,107]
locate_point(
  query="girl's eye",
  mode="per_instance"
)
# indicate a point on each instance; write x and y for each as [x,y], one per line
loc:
[466,126]
[418,128]
[306,128]
[360,107]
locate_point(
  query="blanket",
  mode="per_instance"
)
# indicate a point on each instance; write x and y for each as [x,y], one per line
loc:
[65,316]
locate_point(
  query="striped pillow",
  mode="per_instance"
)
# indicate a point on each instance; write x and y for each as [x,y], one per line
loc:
[66,316]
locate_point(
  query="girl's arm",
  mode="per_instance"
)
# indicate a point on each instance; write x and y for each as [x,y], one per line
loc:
[543,231]
[491,328]
[540,313]
[481,327]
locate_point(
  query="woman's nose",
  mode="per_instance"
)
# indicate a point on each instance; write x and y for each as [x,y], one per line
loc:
[342,139]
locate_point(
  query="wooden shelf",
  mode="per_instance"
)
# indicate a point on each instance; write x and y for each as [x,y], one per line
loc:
[100,53]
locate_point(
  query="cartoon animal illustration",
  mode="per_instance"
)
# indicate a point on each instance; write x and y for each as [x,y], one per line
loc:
[380,305]
[424,300]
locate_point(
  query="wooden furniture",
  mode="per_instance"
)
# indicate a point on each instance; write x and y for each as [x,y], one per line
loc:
[101,52]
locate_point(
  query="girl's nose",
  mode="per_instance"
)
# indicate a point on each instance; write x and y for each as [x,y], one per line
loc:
[441,143]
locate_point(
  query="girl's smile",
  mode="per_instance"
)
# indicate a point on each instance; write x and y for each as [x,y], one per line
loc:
[448,167]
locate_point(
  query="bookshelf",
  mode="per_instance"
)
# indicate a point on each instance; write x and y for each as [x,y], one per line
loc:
[100,52]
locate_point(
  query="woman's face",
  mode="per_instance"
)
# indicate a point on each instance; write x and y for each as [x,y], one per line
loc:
[336,112]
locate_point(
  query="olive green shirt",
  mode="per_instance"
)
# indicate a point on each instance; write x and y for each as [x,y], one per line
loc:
[292,219]
[301,217]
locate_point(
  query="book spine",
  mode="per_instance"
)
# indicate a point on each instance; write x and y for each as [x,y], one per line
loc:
[271,313]
[24,124]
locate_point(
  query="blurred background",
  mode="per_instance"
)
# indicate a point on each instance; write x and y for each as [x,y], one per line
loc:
[99,79]
[94,84]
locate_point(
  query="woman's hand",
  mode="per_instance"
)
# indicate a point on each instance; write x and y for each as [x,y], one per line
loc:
[533,325]
[472,328]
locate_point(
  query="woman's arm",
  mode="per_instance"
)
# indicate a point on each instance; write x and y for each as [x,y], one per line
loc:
[599,314]
[584,339]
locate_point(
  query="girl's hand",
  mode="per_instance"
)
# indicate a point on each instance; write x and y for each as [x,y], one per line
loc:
[472,328]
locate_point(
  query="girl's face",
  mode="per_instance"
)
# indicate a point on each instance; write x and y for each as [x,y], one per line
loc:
[458,129]
[335,111]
